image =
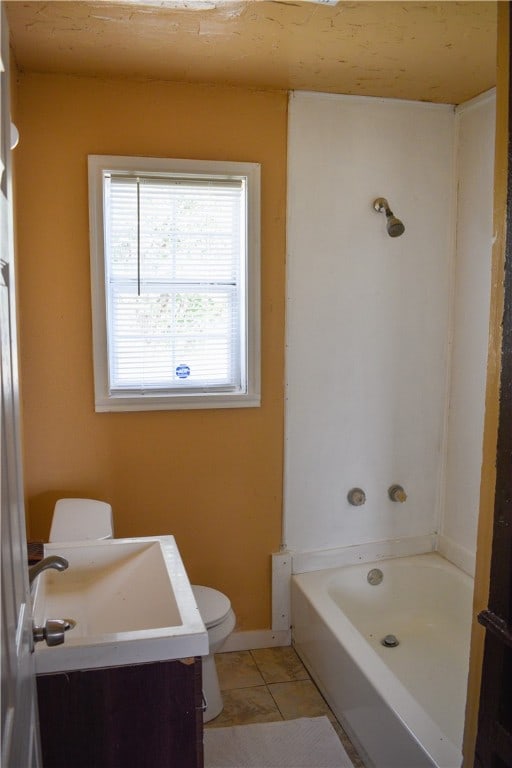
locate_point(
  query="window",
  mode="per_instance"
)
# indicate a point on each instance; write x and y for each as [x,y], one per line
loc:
[175,283]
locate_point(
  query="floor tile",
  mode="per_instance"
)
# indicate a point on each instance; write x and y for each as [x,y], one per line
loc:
[246,705]
[269,684]
[279,665]
[300,698]
[237,670]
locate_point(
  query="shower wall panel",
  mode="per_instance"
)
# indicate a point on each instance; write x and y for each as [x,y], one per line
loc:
[475,126]
[367,317]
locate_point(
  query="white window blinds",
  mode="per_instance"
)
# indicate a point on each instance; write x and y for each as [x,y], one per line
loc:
[175,257]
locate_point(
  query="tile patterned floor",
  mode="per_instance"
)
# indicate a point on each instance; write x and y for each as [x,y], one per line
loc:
[270,684]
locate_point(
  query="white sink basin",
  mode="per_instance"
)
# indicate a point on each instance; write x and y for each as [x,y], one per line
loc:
[130,598]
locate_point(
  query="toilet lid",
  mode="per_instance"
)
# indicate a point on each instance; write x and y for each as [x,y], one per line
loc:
[213,605]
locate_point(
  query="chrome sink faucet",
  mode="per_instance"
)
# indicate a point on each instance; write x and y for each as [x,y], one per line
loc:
[53,561]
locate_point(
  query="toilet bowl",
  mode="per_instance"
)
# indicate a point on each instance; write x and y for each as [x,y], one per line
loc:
[219,620]
[88,519]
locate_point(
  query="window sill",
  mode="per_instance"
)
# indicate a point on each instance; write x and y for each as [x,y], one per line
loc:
[183,403]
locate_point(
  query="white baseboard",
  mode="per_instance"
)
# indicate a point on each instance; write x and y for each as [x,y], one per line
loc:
[257,638]
[317,560]
[459,556]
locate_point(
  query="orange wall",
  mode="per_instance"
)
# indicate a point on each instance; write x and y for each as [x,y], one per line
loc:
[213,478]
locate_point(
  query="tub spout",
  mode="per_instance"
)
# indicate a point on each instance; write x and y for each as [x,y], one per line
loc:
[53,561]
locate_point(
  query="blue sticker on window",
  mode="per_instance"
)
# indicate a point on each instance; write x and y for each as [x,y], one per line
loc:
[182,371]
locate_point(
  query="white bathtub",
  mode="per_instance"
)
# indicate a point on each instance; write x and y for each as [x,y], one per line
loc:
[402,706]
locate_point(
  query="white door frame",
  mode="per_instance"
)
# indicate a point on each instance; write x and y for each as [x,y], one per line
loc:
[19,720]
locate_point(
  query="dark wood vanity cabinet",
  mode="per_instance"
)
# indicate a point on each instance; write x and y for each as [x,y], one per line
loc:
[143,716]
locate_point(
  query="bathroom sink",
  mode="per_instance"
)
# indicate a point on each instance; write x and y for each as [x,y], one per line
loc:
[129,602]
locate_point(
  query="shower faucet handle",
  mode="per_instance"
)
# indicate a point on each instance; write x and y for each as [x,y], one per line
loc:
[397,493]
[356,497]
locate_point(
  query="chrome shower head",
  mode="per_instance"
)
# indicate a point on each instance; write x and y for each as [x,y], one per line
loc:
[394,226]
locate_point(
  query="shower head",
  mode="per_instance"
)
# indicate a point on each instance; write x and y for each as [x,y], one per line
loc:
[394,226]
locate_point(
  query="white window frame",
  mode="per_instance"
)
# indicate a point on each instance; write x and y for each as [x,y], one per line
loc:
[105,400]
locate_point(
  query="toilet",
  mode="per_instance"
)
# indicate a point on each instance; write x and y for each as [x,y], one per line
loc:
[84,519]
[81,519]
[219,620]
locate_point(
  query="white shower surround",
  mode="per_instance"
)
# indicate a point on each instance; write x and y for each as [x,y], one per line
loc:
[370,328]
[475,126]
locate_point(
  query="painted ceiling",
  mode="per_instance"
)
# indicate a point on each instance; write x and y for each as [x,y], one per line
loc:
[430,51]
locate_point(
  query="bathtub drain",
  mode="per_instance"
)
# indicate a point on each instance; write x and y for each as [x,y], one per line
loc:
[390,641]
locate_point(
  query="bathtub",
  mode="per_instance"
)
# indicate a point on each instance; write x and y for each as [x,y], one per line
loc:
[403,706]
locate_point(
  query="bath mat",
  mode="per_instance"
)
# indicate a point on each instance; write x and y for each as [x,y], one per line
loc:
[309,742]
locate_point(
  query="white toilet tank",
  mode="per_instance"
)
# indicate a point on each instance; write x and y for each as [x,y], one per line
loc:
[81,519]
